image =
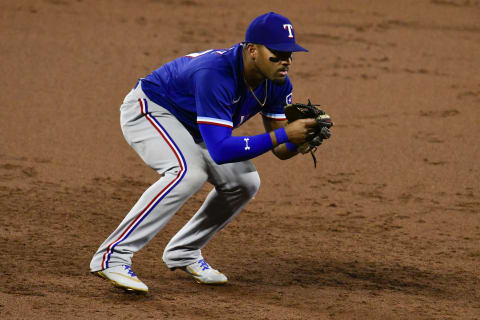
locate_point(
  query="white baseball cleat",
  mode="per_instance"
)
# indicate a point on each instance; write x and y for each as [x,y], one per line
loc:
[123,277]
[203,273]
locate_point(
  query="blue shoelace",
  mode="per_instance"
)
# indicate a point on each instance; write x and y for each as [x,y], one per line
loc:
[130,272]
[203,264]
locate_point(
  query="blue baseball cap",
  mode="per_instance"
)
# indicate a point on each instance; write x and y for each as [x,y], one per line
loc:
[274,31]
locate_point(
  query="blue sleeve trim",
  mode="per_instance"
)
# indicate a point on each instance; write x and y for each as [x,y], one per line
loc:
[219,122]
[225,148]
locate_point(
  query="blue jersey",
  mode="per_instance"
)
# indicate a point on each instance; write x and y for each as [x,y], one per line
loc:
[209,88]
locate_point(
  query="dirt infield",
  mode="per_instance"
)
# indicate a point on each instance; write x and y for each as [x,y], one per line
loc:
[387,226]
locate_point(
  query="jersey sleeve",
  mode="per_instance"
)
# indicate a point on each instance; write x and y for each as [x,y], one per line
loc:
[282,96]
[213,97]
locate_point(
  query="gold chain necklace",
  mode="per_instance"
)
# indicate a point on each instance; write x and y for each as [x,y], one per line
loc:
[253,94]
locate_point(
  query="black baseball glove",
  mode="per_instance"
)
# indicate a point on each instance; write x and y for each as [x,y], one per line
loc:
[297,111]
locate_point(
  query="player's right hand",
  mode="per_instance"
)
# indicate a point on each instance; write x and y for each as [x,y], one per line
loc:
[301,130]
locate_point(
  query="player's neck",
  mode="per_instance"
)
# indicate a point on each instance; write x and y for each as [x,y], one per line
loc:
[252,76]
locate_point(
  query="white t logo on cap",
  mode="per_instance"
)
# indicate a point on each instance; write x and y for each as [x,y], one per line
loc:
[290,28]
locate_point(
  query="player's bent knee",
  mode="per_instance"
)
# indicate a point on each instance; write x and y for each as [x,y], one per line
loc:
[245,184]
[251,183]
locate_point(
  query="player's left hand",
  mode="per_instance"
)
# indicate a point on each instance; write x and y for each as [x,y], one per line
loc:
[318,132]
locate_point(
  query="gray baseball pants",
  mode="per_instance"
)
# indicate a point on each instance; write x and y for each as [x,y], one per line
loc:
[167,147]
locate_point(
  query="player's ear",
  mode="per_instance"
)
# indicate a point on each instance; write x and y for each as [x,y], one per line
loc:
[252,50]
[256,48]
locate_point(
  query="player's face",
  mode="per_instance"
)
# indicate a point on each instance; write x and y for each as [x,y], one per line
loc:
[274,64]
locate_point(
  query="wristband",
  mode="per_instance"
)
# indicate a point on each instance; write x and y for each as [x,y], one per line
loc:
[291,146]
[281,136]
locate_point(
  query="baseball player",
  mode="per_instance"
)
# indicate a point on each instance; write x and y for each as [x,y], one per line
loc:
[179,119]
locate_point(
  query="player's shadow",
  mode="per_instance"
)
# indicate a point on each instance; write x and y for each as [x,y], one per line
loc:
[359,275]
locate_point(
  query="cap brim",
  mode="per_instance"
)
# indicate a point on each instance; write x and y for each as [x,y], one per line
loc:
[286,47]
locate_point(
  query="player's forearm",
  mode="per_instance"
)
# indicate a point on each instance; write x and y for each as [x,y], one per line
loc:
[284,153]
[234,149]
[224,148]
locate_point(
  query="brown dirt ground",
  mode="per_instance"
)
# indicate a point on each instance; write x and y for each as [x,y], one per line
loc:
[387,227]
